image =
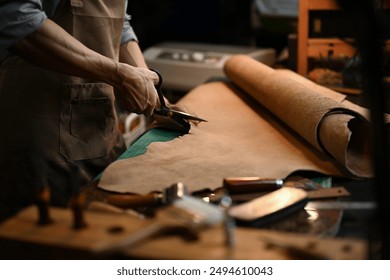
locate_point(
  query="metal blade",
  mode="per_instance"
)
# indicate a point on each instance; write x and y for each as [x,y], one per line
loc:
[341,205]
[185,115]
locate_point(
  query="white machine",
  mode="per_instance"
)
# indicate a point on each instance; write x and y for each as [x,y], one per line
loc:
[278,8]
[186,65]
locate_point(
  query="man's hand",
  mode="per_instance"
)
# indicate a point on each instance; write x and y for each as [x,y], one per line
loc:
[138,93]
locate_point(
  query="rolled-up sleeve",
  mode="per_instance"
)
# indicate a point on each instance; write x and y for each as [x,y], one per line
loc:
[18,19]
[128,33]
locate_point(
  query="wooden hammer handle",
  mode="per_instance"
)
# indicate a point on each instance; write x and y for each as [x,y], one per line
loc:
[126,201]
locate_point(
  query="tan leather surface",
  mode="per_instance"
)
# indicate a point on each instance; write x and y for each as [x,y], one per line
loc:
[236,141]
[269,130]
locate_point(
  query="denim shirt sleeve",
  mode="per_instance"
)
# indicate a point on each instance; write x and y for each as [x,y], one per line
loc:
[128,33]
[18,19]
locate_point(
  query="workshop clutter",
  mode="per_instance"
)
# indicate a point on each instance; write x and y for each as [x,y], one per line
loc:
[262,123]
[184,227]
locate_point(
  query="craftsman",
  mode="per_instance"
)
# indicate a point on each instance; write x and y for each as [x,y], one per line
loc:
[60,63]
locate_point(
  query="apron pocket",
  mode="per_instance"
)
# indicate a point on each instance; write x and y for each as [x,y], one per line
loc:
[88,127]
[87,116]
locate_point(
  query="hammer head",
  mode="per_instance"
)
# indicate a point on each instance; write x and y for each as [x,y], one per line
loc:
[175,191]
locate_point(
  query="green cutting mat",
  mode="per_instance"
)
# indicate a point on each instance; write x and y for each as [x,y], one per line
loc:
[153,135]
[140,145]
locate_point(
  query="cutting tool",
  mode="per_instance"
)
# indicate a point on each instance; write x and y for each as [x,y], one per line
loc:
[169,112]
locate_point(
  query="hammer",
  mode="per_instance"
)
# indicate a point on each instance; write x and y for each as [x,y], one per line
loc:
[174,195]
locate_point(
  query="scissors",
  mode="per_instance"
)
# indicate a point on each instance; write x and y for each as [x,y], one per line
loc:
[169,112]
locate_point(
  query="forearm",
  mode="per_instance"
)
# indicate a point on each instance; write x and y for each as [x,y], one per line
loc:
[53,48]
[131,53]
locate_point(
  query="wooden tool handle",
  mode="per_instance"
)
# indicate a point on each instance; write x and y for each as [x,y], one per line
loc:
[43,198]
[251,184]
[126,201]
[77,203]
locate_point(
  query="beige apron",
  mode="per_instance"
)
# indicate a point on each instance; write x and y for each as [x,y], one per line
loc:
[56,130]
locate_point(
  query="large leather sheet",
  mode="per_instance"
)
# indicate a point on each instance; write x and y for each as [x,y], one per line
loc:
[267,123]
[319,115]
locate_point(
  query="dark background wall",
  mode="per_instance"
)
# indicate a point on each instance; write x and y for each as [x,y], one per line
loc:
[206,21]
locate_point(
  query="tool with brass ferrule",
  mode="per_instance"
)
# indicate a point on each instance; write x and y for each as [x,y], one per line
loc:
[241,189]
